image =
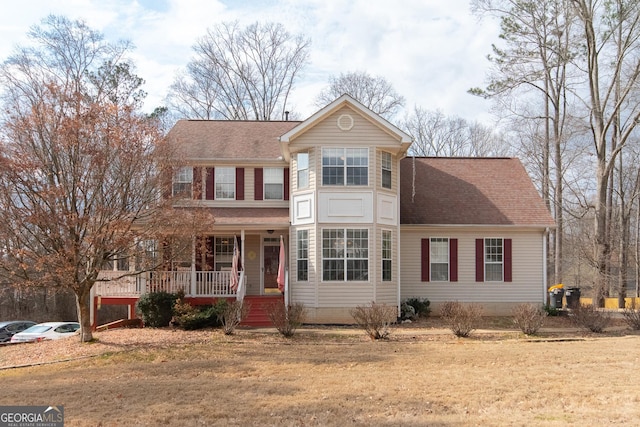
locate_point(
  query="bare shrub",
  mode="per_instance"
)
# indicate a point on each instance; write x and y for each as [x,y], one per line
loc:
[528,317]
[232,314]
[632,317]
[460,318]
[375,319]
[589,317]
[286,319]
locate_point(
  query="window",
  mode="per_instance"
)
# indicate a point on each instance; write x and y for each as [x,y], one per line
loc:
[303,255]
[345,254]
[439,257]
[273,184]
[493,260]
[386,255]
[303,170]
[182,181]
[225,180]
[342,166]
[223,253]
[386,169]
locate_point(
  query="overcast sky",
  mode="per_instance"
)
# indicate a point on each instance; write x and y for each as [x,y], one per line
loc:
[431,51]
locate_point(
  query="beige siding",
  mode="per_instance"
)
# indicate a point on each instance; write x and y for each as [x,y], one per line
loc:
[386,292]
[527,254]
[249,184]
[327,133]
[252,267]
[304,292]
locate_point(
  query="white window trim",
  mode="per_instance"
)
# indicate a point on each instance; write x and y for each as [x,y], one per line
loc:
[431,262]
[486,262]
[345,258]
[217,181]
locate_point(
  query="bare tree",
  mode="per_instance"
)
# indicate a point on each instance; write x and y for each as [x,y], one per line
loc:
[531,66]
[240,73]
[375,93]
[611,32]
[438,135]
[79,164]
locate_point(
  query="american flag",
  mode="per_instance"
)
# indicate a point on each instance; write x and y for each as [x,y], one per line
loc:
[234,265]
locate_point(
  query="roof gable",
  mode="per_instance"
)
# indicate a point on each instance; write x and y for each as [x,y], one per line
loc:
[469,191]
[344,122]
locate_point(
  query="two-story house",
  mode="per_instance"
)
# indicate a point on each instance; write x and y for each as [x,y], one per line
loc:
[360,220]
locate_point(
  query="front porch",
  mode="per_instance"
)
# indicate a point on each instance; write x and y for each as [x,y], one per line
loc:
[194,284]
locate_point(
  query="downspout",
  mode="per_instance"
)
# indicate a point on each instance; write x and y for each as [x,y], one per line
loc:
[544,265]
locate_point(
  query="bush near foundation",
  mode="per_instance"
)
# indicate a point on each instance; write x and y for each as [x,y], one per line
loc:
[462,319]
[529,317]
[375,319]
[587,316]
[286,319]
[156,308]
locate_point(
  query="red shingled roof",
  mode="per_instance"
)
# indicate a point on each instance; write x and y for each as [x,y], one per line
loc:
[229,139]
[460,191]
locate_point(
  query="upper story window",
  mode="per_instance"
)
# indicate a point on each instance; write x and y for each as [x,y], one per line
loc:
[386,169]
[303,170]
[225,180]
[182,182]
[273,183]
[345,166]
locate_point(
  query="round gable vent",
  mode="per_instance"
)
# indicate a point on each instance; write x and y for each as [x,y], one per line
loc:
[345,122]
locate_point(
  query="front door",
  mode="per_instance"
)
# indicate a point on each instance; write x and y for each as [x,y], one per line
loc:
[271,251]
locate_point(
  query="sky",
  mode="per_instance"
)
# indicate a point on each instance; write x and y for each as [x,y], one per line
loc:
[431,51]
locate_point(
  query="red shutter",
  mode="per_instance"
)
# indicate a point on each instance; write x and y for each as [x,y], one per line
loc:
[197,183]
[479,260]
[258,184]
[239,183]
[508,275]
[453,260]
[210,185]
[424,257]
[286,183]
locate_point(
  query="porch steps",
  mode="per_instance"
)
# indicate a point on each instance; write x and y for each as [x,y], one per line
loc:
[257,316]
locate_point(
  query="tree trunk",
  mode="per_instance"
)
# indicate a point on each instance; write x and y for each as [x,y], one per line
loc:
[601,245]
[83,304]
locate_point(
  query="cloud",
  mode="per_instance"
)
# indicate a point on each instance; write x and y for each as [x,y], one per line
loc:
[431,52]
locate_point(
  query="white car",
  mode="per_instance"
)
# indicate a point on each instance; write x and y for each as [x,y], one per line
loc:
[47,331]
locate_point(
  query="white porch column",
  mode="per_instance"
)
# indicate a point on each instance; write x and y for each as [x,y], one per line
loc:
[242,247]
[193,267]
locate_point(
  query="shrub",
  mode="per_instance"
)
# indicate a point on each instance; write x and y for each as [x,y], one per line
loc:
[414,308]
[286,319]
[551,311]
[156,308]
[232,314]
[461,319]
[204,316]
[632,317]
[375,319]
[529,317]
[589,317]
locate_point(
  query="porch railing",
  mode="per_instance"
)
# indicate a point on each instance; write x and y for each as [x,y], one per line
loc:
[193,283]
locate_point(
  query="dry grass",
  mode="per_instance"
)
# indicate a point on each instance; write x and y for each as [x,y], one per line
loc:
[422,375]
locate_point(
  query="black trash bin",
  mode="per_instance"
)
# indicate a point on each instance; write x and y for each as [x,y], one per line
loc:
[573,297]
[555,298]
